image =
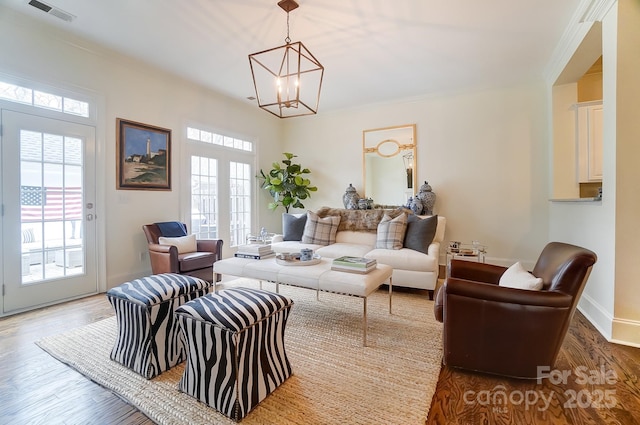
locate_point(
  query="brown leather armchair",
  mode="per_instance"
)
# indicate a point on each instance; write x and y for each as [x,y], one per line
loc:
[506,331]
[165,258]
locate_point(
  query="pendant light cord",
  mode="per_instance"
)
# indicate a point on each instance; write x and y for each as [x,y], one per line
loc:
[287,40]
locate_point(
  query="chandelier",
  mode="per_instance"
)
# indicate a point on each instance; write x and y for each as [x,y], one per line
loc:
[287,78]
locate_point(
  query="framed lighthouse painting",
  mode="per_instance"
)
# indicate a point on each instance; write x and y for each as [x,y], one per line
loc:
[143,156]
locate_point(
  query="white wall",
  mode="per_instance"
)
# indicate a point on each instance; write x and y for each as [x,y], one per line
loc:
[565,156]
[611,300]
[484,154]
[134,91]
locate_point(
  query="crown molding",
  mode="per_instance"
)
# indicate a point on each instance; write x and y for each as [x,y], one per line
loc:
[587,14]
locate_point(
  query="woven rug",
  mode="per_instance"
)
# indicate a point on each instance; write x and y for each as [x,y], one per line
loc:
[335,379]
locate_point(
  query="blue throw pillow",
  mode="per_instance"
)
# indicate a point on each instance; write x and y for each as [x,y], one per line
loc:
[172,229]
[293,227]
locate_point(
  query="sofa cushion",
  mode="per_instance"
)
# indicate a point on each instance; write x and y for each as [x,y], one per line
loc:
[293,226]
[517,277]
[183,243]
[405,259]
[420,232]
[321,231]
[293,246]
[341,249]
[391,232]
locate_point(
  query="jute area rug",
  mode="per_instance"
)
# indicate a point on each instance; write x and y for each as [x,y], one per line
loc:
[335,379]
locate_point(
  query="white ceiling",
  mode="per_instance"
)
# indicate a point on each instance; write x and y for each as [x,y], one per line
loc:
[372,50]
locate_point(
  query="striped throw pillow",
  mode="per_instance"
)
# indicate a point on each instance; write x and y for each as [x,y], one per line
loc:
[320,231]
[391,232]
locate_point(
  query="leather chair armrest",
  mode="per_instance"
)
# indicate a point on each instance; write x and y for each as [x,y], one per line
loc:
[159,248]
[487,292]
[471,270]
[163,258]
[211,245]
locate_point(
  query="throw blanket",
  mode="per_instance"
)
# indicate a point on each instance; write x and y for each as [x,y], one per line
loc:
[172,229]
[360,220]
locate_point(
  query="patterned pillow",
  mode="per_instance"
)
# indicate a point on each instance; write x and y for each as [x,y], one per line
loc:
[391,232]
[320,231]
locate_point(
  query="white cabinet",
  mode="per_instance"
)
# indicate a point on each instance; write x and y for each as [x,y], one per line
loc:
[589,140]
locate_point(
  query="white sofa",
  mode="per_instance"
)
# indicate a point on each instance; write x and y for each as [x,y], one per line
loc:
[411,268]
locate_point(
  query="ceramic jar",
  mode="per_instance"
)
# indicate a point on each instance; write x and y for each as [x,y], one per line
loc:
[350,198]
[416,206]
[427,198]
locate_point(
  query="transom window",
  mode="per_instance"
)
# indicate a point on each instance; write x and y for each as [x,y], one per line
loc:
[218,139]
[41,99]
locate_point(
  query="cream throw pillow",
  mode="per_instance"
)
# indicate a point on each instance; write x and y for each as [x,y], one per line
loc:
[320,231]
[517,277]
[391,232]
[183,243]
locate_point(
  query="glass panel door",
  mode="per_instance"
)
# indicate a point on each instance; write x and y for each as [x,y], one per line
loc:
[48,226]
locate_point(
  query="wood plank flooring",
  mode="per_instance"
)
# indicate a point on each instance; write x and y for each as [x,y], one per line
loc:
[35,388]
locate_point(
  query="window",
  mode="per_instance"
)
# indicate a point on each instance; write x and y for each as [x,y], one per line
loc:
[41,99]
[240,189]
[222,175]
[204,197]
[218,139]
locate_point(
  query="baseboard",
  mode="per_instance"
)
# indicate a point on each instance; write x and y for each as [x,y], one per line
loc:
[626,332]
[597,315]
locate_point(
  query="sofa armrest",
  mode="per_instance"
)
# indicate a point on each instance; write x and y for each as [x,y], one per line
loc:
[277,238]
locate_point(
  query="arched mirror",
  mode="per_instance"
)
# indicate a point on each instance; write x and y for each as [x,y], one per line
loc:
[389,164]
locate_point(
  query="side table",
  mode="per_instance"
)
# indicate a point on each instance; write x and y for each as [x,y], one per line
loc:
[470,252]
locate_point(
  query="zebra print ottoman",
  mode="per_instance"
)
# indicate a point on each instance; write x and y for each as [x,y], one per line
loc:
[149,340]
[236,348]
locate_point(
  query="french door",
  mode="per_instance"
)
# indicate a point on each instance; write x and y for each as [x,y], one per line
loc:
[48,225]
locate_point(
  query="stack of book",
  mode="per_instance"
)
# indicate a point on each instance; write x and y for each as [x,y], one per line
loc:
[354,264]
[255,251]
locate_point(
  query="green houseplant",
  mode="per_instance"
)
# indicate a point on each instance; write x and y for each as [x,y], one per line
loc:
[286,184]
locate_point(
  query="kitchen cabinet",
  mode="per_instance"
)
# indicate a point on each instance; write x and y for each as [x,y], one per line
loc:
[589,137]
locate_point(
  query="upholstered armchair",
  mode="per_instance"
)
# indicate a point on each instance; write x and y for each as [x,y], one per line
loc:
[492,326]
[181,254]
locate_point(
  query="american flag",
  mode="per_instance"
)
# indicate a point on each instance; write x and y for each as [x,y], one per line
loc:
[50,203]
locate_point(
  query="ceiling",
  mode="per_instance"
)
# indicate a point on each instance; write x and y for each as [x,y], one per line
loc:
[373,50]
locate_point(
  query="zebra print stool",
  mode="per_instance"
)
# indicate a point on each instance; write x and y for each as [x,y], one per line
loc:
[149,340]
[236,348]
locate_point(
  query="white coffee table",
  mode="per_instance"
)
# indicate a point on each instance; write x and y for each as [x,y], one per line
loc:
[318,276]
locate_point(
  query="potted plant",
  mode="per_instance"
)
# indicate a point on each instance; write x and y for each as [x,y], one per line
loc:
[286,184]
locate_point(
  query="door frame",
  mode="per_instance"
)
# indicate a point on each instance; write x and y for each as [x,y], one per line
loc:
[97,103]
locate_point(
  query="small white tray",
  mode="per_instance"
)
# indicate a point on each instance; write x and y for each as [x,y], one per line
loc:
[297,262]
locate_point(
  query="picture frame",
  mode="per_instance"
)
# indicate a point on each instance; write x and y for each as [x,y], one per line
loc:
[143,156]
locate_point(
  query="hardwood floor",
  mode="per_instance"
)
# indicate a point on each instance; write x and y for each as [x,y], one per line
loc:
[36,388]
[601,385]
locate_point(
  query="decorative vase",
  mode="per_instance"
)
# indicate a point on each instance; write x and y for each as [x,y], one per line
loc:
[350,198]
[427,198]
[416,206]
